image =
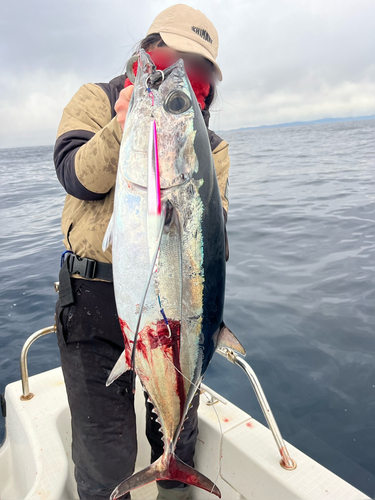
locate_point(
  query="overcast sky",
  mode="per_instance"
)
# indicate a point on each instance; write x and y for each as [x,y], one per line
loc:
[282,60]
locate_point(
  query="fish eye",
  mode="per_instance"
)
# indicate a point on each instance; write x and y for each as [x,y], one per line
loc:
[177,102]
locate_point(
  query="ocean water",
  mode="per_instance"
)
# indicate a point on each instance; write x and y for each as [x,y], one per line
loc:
[300,281]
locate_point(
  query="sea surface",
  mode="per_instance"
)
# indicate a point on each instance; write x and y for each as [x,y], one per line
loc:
[300,288]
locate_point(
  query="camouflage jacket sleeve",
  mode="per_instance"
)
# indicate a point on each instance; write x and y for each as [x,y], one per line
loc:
[88,143]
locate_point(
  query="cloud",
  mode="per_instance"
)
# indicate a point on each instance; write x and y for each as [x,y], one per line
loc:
[283,106]
[31,108]
[298,60]
[282,60]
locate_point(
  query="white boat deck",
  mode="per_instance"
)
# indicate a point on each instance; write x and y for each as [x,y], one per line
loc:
[35,460]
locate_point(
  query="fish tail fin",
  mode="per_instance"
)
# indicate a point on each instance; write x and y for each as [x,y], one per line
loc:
[174,469]
[179,471]
[141,478]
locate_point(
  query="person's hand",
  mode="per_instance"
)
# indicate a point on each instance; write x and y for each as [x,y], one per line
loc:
[122,105]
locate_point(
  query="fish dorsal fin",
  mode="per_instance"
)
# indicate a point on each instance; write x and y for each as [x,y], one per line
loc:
[107,240]
[120,367]
[227,339]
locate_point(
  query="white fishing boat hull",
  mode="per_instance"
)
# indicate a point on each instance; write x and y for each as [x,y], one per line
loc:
[35,459]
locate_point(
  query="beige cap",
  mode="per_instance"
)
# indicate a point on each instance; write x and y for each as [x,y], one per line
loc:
[186,29]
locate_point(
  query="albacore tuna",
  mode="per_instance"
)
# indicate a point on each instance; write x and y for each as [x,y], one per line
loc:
[167,234]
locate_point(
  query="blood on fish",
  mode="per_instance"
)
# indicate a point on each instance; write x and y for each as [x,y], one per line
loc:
[249,424]
[124,328]
[160,337]
[142,347]
[180,475]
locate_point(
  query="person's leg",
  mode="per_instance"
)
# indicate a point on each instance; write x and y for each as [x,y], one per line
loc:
[185,448]
[103,420]
[180,493]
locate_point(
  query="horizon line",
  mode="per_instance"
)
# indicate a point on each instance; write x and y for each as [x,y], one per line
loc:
[276,125]
[307,122]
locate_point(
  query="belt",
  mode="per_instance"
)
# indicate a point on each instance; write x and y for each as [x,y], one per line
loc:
[86,268]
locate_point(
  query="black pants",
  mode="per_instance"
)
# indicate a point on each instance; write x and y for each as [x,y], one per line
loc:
[104,442]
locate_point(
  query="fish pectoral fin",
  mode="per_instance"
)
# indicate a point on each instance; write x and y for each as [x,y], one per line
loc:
[227,339]
[164,468]
[107,240]
[120,367]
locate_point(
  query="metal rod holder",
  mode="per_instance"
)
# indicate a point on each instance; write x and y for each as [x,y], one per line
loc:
[286,461]
[212,396]
[26,394]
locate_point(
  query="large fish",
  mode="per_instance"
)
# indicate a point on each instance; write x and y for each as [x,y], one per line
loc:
[167,234]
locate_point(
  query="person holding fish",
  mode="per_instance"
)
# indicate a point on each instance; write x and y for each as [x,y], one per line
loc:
[164,233]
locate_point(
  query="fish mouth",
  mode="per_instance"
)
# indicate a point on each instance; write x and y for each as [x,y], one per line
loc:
[156,77]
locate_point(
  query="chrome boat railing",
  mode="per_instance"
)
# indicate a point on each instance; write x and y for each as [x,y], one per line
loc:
[286,461]
[26,394]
